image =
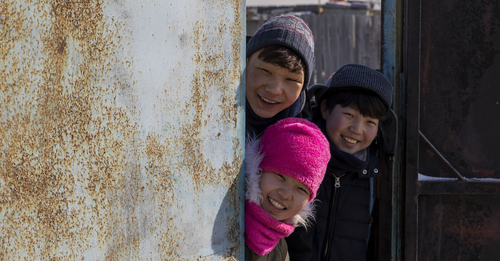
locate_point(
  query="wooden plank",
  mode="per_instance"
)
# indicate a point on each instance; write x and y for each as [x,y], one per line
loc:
[331,48]
[320,36]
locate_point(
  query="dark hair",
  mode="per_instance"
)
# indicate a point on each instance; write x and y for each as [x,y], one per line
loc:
[282,56]
[366,102]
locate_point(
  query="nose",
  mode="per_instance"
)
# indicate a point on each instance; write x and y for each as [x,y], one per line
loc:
[285,193]
[275,86]
[356,127]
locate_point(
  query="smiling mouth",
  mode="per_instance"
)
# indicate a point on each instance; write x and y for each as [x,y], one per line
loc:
[349,140]
[267,100]
[276,204]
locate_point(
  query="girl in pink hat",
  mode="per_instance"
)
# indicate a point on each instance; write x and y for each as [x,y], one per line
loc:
[284,169]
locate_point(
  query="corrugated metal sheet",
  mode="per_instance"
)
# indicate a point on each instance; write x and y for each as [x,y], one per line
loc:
[121,129]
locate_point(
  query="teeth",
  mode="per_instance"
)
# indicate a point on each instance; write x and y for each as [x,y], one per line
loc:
[276,204]
[349,140]
[268,101]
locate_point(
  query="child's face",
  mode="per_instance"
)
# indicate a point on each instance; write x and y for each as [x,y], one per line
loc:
[271,88]
[348,129]
[283,196]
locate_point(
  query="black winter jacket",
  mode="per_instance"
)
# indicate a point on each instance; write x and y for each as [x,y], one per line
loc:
[341,228]
[279,253]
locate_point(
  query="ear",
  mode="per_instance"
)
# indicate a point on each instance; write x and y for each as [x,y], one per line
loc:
[324,113]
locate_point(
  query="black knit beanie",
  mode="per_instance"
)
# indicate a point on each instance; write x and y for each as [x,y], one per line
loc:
[289,31]
[362,77]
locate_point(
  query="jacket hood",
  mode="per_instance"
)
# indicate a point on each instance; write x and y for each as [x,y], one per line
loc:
[253,173]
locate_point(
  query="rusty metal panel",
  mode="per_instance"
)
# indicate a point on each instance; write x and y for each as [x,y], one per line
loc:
[452,176]
[459,227]
[121,130]
[459,96]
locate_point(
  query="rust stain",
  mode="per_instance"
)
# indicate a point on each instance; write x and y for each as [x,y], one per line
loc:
[470,223]
[159,169]
[211,71]
[71,156]
[214,77]
[63,141]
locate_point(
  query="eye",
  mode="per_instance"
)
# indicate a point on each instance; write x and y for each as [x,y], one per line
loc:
[372,121]
[265,70]
[293,80]
[348,114]
[281,176]
[303,190]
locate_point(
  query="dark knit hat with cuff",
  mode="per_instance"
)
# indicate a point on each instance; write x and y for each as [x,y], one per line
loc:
[289,31]
[357,76]
[363,77]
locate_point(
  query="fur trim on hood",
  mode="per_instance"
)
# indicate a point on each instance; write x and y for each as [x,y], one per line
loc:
[253,158]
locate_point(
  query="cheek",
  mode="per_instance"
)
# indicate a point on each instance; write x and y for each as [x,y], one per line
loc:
[302,202]
[263,185]
[293,92]
[250,78]
[267,183]
[334,124]
[253,77]
[371,134]
[248,88]
[251,87]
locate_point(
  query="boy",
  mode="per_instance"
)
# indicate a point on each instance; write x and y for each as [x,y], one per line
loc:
[283,171]
[279,65]
[354,102]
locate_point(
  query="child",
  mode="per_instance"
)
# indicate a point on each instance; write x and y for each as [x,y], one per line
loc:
[280,62]
[354,102]
[283,171]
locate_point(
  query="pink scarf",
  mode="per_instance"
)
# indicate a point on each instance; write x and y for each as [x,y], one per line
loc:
[263,232]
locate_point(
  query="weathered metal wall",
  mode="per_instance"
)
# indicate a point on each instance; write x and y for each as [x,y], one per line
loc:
[452,179]
[121,129]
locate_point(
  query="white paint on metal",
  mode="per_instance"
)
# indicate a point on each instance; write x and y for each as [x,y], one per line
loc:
[122,130]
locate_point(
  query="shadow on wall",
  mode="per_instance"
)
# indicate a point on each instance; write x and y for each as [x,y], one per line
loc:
[227,234]
[228,224]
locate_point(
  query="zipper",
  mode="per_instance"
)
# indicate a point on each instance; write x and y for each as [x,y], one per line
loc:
[337,180]
[332,207]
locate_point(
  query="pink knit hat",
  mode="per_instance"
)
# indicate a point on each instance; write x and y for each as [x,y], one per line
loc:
[296,148]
